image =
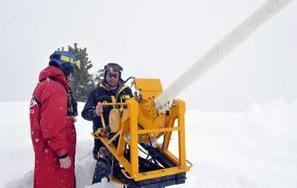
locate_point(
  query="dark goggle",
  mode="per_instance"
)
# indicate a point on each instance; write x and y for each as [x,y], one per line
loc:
[113,75]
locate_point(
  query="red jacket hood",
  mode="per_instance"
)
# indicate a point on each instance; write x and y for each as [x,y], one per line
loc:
[54,73]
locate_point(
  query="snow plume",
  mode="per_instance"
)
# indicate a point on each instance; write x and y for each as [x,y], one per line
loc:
[257,148]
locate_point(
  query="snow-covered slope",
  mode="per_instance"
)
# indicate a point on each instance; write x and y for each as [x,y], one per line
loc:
[257,148]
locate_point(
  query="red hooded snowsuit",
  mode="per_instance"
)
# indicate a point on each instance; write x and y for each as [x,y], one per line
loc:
[52,131]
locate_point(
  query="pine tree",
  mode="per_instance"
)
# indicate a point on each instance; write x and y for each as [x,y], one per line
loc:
[82,81]
[99,76]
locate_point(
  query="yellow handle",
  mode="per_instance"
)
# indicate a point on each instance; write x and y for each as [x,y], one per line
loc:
[125,174]
[101,115]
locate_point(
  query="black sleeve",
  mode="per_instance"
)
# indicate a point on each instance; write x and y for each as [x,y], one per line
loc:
[125,92]
[88,112]
[128,91]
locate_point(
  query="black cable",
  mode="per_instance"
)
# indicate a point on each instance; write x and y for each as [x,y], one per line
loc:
[123,83]
[117,93]
[153,157]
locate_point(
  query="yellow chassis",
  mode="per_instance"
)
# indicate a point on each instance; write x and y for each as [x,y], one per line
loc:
[130,133]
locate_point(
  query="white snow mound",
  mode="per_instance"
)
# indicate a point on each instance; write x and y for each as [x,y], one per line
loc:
[257,148]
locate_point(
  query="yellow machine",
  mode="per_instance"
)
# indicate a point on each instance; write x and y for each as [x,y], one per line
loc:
[139,138]
[144,125]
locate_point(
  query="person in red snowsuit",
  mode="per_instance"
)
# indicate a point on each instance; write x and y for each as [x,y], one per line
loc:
[52,112]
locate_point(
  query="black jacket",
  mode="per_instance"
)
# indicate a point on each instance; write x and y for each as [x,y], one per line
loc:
[100,94]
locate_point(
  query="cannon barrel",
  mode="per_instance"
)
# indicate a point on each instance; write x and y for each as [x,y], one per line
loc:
[220,50]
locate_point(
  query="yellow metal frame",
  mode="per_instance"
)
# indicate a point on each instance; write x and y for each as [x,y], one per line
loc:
[154,125]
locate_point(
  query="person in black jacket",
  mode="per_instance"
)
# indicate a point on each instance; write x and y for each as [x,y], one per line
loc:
[111,89]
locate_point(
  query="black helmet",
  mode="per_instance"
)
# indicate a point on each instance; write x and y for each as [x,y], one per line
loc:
[65,61]
[111,68]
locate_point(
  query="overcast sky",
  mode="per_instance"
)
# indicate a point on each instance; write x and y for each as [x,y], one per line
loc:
[153,38]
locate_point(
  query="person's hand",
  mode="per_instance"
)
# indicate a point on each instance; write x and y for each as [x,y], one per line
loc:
[99,109]
[65,162]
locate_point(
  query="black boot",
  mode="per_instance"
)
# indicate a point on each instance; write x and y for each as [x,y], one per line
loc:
[103,167]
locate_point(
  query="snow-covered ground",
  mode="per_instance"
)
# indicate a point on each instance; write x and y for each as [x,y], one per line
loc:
[256,148]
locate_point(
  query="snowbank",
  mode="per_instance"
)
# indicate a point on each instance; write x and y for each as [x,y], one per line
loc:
[257,148]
